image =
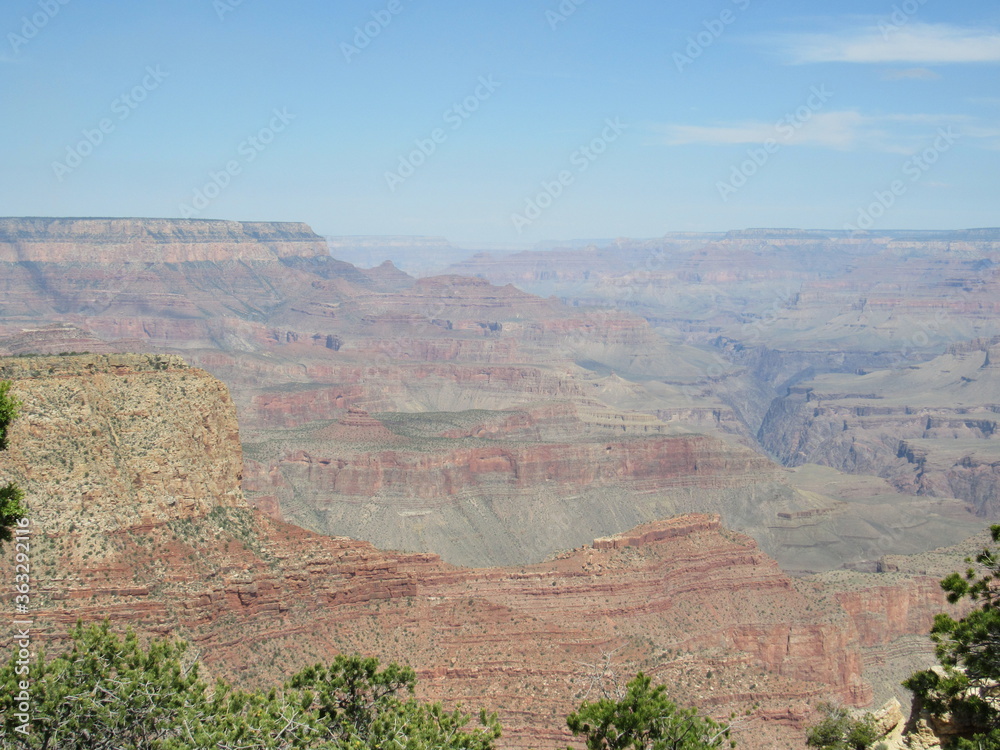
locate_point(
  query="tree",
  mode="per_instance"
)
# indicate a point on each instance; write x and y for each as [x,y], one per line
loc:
[11,510]
[358,705]
[238,720]
[105,693]
[645,719]
[838,730]
[351,692]
[9,407]
[11,496]
[968,686]
[108,692]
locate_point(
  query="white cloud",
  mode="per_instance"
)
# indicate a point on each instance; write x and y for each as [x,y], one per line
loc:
[919,43]
[988,135]
[846,130]
[838,130]
[916,74]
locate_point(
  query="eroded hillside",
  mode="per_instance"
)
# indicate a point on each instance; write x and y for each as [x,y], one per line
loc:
[131,468]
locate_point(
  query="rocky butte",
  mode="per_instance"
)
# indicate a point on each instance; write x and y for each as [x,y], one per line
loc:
[131,464]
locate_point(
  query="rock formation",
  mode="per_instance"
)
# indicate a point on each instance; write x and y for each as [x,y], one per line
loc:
[711,330]
[930,429]
[110,241]
[131,467]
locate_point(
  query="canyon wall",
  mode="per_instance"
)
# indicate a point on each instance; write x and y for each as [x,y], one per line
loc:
[712,329]
[930,428]
[131,468]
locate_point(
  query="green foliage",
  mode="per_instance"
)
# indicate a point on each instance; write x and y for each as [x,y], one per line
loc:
[9,407]
[273,720]
[358,705]
[11,509]
[969,650]
[109,693]
[105,693]
[988,741]
[645,719]
[11,496]
[350,693]
[838,730]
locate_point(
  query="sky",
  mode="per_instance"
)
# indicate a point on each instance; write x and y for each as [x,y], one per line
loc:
[505,123]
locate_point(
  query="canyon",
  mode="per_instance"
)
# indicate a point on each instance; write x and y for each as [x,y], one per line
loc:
[571,421]
[928,428]
[869,353]
[740,461]
[132,466]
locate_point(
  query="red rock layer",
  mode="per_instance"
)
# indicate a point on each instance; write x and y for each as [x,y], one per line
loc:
[700,607]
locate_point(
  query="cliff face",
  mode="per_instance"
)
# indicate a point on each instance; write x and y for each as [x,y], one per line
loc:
[499,488]
[691,461]
[131,466]
[36,240]
[117,435]
[930,429]
[484,487]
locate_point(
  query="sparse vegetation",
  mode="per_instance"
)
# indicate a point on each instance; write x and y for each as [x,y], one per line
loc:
[841,730]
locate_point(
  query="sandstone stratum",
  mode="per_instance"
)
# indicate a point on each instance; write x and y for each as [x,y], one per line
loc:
[491,426]
[131,466]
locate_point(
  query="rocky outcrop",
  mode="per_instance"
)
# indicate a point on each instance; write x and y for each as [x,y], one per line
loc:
[54,339]
[117,434]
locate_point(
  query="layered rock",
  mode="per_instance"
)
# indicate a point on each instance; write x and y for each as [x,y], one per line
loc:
[300,338]
[930,429]
[37,240]
[698,606]
[500,490]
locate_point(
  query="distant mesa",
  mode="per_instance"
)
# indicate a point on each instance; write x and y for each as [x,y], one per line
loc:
[84,240]
[988,234]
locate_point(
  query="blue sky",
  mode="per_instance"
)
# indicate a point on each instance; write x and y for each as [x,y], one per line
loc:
[506,122]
